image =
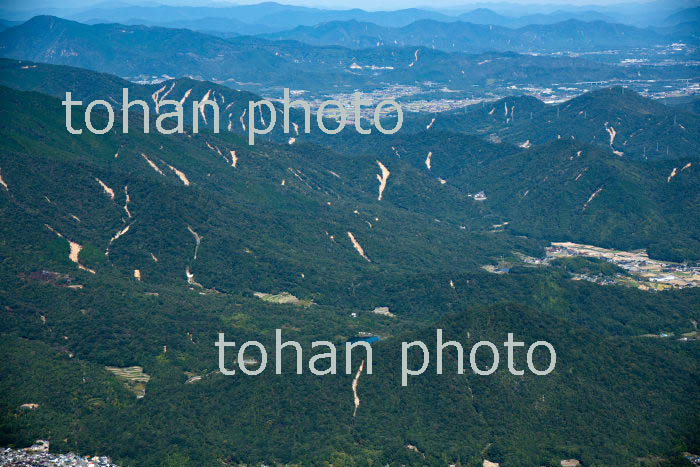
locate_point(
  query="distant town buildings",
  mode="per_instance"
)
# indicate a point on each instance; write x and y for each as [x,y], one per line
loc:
[649,273]
[38,456]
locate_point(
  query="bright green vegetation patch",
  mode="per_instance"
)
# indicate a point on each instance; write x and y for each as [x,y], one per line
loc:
[284,298]
[134,378]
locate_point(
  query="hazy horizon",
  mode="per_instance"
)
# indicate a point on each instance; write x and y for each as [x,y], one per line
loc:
[23,5]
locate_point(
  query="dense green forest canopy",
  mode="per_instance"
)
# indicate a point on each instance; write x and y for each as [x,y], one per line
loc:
[205,234]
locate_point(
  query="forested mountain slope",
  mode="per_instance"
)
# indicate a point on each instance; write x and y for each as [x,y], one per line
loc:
[119,250]
[617,118]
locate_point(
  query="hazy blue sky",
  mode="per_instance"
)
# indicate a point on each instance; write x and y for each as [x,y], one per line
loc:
[366,4]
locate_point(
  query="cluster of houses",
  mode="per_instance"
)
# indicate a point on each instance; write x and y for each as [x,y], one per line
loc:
[38,455]
[654,273]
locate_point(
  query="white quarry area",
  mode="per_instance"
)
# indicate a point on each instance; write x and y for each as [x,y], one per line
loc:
[430,125]
[185,96]
[127,200]
[30,405]
[108,191]
[299,175]
[355,383]
[75,248]
[570,463]
[611,131]
[152,164]
[205,98]
[180,174]
[592,197]
[262,117]
[242,119]
[3,182]
[213,148]
[383,311]
[428,160]
[234,159]
[116,237]
[137,274]
[358,247]
[164,96]
[292,140]
[415,58]
[157,98]
[197,239]
[525,145]
[155,95]
[674,172]
[382,179]
[481,196]
[190,277]
[414,448]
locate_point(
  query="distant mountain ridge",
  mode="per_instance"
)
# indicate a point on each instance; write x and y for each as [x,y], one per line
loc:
[459,36]
[683,16]
[487,16]
[271,15]
[140,52]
